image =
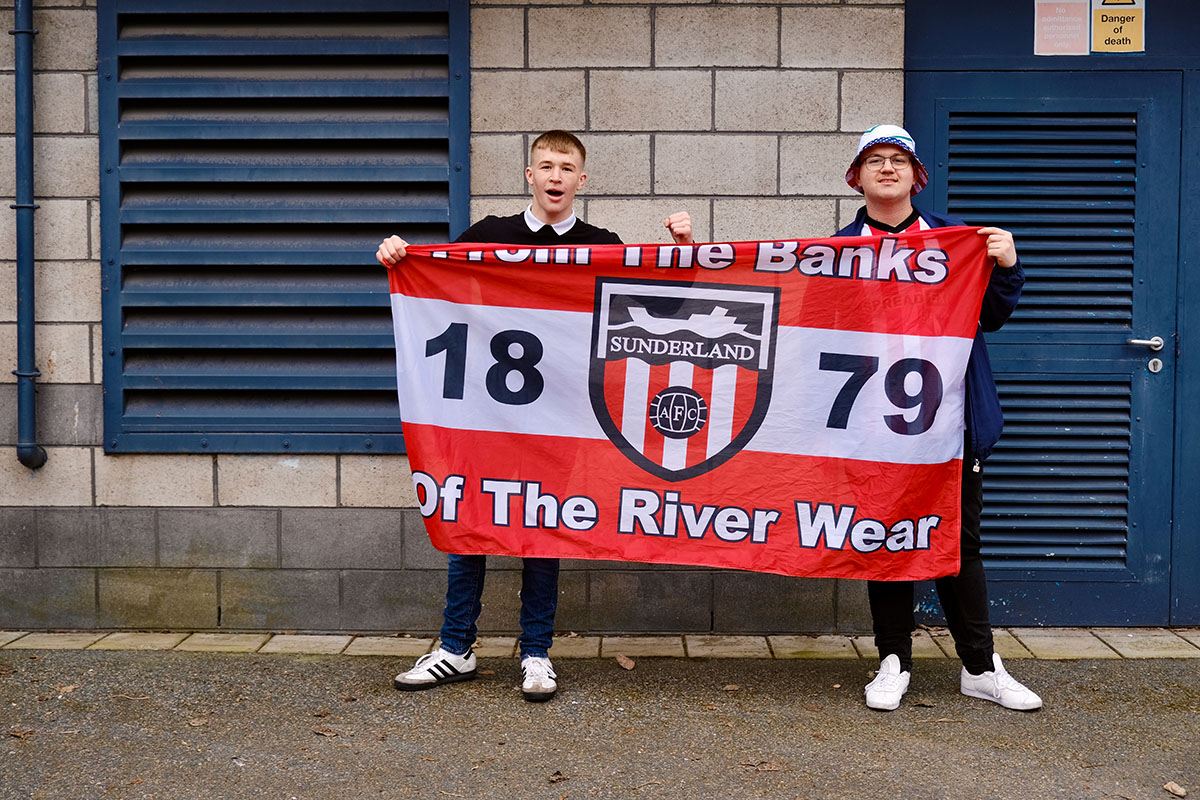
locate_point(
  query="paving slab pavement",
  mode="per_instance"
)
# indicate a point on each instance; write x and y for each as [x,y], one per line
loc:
[178,724]
[935,643]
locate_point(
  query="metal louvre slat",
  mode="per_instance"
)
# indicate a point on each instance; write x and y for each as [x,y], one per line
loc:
[426,45]
[1054,177]
[258,158]
[235,215]
[985,159]
[274,12]
[176,89]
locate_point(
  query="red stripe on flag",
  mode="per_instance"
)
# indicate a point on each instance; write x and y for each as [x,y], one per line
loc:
[862,302]
[867,490]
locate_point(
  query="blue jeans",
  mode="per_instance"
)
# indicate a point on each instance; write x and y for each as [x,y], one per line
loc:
[539,600]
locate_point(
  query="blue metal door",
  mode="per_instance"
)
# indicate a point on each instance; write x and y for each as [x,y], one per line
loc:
[1084,168]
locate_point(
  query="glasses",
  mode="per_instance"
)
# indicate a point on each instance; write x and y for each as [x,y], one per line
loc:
[898,162]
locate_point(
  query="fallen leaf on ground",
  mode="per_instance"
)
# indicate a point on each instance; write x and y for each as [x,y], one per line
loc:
[487,672]
[732,687]
[837,686]
[21,733]
[625,661]
[557,776]
[322,730]
[65,689]
[1175,789]
[321,713]
[924,702]
[197,722]
[762,766]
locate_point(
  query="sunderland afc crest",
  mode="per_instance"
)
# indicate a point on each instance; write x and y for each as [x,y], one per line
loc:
[681,373]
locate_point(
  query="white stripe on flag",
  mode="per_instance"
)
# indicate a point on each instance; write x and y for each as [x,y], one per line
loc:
[675,450]
[633,413]
[720,413]
[796,422]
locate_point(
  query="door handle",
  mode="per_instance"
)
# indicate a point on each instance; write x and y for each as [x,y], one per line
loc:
[1155,343]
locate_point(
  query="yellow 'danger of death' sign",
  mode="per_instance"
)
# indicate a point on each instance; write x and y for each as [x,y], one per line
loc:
[1118,26]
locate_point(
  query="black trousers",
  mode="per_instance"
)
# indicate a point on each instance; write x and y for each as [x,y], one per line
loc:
[963,596]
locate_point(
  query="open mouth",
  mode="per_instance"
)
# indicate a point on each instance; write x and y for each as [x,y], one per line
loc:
[555,193]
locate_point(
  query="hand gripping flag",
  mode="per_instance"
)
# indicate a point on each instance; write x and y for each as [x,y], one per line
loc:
[792,406]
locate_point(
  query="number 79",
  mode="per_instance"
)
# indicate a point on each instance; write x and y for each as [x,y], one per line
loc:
[927,398]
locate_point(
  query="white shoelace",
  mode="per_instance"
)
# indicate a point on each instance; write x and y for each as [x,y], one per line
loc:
[888,682]
[436,655]
[538,669]
[425,659]
[1003,680]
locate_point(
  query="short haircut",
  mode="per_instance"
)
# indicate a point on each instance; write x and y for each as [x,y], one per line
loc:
[559,142]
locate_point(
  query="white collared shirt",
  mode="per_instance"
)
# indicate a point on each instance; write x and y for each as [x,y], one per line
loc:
[536,224]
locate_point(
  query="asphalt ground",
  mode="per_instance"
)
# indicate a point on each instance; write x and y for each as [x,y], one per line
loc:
[100,724]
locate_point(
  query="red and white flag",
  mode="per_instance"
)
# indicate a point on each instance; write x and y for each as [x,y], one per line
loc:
[792,406]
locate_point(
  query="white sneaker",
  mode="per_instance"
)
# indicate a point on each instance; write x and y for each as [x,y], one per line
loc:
[1000,687]
[537,679]
[434,669]
[890,684]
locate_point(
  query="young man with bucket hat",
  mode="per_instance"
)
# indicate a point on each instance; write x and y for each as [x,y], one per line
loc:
[887,172]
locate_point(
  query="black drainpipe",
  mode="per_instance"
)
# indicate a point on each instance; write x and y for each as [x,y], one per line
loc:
[29,452]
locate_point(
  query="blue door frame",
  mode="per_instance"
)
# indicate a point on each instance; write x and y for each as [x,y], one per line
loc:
[1185,549]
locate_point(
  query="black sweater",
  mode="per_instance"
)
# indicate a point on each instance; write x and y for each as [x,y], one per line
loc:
[513,230]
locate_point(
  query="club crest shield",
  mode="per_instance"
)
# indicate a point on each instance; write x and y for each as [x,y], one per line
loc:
[681,373]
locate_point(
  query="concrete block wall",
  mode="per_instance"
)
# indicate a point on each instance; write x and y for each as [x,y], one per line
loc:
[743,114]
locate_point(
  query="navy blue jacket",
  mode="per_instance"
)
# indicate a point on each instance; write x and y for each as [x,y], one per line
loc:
[984,418]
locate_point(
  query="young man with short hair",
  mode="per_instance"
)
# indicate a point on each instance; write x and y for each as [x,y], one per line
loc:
[555,173]
[888,173]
